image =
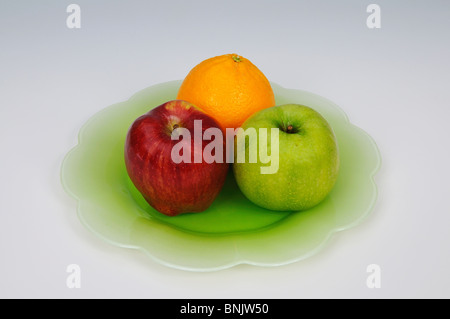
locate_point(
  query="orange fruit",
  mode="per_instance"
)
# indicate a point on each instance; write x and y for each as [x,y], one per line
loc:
[228,88]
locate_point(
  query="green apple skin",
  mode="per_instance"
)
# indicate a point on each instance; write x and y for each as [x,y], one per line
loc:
[308,160]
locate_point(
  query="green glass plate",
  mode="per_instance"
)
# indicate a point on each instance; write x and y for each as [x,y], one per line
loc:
[233,230]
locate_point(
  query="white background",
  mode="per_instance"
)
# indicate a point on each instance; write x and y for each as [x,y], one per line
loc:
[393,82]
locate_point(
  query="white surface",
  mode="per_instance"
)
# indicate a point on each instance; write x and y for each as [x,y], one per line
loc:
[393,82]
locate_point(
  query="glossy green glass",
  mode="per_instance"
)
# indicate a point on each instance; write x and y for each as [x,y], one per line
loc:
[233,230]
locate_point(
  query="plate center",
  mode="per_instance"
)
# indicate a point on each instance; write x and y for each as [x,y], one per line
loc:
[231,212]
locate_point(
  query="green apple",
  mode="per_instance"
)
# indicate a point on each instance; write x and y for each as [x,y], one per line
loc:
[308,159]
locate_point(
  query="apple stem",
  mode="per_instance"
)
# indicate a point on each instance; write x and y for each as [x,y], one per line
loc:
[175,126]
[289,128]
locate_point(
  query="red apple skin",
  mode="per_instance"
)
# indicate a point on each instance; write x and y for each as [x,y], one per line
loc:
[169,187]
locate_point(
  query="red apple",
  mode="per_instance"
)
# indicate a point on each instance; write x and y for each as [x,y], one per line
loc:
[168,185]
